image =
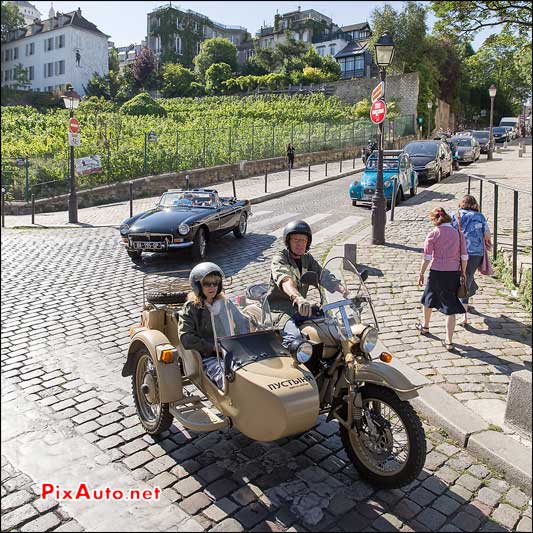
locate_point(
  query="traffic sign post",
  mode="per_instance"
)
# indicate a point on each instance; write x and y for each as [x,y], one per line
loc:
[378,111]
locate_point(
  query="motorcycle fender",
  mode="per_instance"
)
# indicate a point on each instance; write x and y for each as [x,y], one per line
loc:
[168,374]
[387,376]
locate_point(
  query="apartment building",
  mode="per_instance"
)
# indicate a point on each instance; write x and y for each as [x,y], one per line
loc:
[65,48]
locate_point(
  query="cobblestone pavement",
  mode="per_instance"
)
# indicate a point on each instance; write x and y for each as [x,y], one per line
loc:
[497,342]
[249,188]
[69,297]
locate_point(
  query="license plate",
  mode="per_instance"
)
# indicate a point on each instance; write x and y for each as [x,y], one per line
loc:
[142,245]
[367,197]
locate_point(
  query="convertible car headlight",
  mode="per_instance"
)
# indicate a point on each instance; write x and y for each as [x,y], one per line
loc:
[124,229]
[302,351]
[183,229]
[369,339]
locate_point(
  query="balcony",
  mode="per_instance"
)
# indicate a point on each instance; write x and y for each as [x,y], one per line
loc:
[357,73]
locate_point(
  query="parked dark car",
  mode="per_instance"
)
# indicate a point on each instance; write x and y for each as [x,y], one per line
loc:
[482,137]
[432,160]
[500,134]
[184,219]
[467,147]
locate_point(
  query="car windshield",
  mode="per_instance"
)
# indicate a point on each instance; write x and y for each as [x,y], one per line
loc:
[388,164]
[481,135]
[499,130]
[422,149]
[462,141]
[188,199]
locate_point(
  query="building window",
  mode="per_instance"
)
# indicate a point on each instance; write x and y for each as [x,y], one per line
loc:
[197,48]
[31,73]
[178,46]
[60,41]
[48,70]
[320,50]
[157,44]
[30,49]
[49,44]
[332,48]
[16,53]
[59,67]
[359,63]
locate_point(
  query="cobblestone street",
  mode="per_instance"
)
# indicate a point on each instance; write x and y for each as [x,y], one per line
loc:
[68,299]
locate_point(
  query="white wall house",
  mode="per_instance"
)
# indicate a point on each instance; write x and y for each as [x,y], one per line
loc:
[27,10]
[64,49]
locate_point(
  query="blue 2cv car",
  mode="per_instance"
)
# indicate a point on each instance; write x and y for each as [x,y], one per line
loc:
[396,164]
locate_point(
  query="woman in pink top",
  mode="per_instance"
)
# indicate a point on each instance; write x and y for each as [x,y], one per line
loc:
[445,249]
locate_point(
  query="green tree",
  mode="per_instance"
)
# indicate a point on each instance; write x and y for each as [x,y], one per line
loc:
[10,19]
[252,68]
[20,77]
[362,108]
[215,76]
[471,17]
[216,50]
[177,81]
[266,59]
[143,104]
[98,87]
[143,69]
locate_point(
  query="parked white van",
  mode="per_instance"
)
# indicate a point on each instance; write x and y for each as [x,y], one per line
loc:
[510,122]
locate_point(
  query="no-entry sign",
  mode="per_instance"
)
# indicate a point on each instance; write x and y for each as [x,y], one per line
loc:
[378,111]
[73,125]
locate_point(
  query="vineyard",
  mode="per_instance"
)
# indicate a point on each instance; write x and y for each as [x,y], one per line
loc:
[196,133]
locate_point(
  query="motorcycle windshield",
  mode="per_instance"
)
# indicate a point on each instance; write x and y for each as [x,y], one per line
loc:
[341,282]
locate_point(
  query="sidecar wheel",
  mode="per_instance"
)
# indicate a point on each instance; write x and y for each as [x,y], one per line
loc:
[387,461]
[154,415]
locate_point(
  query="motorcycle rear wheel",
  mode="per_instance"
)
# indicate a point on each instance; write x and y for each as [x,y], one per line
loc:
[366,460]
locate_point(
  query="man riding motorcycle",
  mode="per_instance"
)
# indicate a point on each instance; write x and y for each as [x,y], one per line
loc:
[286,295]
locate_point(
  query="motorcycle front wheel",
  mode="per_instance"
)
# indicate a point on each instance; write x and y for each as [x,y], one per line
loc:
[390,450]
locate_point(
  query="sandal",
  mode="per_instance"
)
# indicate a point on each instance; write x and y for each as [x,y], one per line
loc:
[423,330]
[447,345]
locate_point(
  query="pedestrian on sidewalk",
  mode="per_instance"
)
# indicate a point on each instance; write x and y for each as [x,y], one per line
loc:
[476,230]
[290,155]
[445,249]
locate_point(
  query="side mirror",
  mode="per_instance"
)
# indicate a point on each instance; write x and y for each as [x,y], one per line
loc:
[310,278]
[364,274]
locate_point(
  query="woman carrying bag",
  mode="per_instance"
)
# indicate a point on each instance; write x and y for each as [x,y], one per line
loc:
[445,249]
[475,228]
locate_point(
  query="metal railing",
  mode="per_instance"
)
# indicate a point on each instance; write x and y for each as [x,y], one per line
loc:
[516,191]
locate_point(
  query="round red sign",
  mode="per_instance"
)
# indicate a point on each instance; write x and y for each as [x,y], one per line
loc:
[73,125]
[378,111]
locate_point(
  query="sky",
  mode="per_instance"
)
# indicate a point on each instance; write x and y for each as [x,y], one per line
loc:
[125,21]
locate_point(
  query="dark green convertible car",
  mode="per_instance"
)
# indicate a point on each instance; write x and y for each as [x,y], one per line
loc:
[184,219]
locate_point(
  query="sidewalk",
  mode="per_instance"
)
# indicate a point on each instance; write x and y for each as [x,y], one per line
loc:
[498,342]
[252,189]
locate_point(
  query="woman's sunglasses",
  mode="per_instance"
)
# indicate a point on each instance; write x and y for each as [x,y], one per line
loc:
[210,283]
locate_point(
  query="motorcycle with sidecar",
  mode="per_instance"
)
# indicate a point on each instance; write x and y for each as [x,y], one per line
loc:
[271,391]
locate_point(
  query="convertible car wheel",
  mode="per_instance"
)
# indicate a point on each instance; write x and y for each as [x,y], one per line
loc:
[199,247]
[240,230]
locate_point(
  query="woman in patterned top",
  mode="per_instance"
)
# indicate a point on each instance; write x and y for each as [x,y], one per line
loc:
[445,249]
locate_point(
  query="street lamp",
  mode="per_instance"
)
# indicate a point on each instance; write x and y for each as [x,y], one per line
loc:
[72,99]
[430,105]
[384,48]
[492,94]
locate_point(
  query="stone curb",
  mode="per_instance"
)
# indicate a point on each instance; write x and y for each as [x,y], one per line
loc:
[471,431]
[253,201]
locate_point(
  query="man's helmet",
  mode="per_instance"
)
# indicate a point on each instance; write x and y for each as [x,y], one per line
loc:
[297,226]
[200,271]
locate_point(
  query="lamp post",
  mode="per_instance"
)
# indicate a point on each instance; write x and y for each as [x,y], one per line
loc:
[492,94]
[430,105]
[72,100]
[384,54]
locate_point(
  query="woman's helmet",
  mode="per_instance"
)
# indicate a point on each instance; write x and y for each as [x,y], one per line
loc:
[200,271]
[297,226]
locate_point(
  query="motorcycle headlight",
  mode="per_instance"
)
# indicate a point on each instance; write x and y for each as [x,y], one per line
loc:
[369,339]
[301,351]
[183,229]
[124,229]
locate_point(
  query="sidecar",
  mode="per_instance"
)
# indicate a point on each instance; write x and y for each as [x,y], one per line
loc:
[267,393]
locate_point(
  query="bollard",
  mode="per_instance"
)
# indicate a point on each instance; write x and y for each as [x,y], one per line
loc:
[266,179]
[33,208]
[393,199]
[308,171]
[469,183]
[524,147]
[233,185]
[353,162]
[350,252]
[289,175]
[131,198]
[326,167]
[340,166]
[3,207]
[520,152]
[187,181]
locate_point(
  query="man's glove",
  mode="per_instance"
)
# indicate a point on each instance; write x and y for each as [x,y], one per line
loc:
[303,306]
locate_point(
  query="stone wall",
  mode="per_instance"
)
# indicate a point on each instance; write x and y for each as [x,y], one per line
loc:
[203,177]
[404,88]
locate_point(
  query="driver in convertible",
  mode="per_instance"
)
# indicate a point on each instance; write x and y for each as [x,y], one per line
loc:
[286,295]
[195,327]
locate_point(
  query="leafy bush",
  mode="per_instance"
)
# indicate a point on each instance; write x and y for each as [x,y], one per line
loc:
[143,104]
[215,76]
[177,81]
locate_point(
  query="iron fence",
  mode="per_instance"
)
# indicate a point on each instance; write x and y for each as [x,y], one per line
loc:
[163,151]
